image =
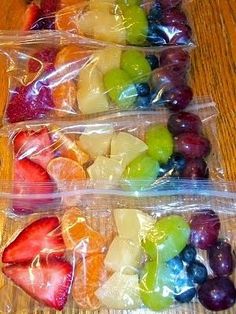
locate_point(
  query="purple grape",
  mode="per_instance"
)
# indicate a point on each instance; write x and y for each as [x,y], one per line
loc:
[173,16]
[205,227]
[217,294]
[195,169]
[184,122]
[221,259]
[179,34]
[192,145]
[168,4]
[169,76]
[175,55]
[178,97]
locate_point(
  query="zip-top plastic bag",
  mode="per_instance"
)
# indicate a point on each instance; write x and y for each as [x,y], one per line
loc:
[50,77]
[125,22]
[133,151]
[172,248]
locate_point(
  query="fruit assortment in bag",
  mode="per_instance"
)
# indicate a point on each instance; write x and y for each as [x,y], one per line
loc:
[134,151]
[125,22]
[60,81]
[171,256]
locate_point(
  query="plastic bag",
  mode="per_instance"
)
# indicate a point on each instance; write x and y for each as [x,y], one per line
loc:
[50,77]
[136,23]
[134,151]
[166,249]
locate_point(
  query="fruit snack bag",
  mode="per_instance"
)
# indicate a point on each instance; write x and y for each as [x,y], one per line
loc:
[124,22]
[131,150]
[179,254]
[51,78]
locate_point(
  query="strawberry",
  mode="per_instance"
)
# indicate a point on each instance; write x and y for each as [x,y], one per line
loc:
[46,56]
[49,6]
[30,178]
[48,282]
[42,238]
[37,146]
[32,14]
[33,101]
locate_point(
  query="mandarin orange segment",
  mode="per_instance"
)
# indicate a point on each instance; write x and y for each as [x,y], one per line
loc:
[65,169]
[65,19]
[79,236]
[90,274]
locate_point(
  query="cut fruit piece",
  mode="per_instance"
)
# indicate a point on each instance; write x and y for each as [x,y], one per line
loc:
[96,141]
[126,147]
[66,18]
[141,223]
[108,59]
[68,148]
[104,169]
[123,256]
[35,145]
[91,95]
[42,238]
[79,236]
[120,292]
[65,169]
[47,282]
[90,274]
[102,5]
[64,98]
[86,23]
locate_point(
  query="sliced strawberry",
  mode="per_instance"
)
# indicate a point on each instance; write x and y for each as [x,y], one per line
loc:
[47,282]
[46,56]
[42,238]
[30,178]
[32,14]
[37,146]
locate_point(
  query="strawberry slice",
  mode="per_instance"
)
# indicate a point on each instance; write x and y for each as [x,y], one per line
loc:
[30,178]
[47,282]
[37,146]
[42,238]
[32,14]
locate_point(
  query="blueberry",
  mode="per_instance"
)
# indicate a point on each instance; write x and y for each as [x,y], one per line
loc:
[188,254]
[153,61]
[186,296]
[143,102]
[156,36]
[178,162]
[175,265]
[143,89]
[155,13]
[197,272]
[184,289]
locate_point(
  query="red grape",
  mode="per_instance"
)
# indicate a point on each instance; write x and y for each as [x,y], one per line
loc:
[192,145]
[179,34]
[205,227]
[217,294]
[174,55]
[169,75]
[195,169]
[167,4]
[221,259]
[184,122]
[173,16]
[178,97]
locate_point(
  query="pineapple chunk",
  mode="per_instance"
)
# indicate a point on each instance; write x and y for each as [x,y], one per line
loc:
[126,147]
[96,141]
[86,23]
[120,292]
[104,5]
[140,222]
[108,59]
[123,255]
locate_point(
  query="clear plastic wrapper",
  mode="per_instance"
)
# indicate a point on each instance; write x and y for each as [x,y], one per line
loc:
[135,23]
[50,77]
[170,249]
[134,151]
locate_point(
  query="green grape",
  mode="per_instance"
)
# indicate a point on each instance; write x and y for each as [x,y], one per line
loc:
[156,286]
[160,143]
[120,88]
[167,238]
[141,172]
[136,65]
[136,25]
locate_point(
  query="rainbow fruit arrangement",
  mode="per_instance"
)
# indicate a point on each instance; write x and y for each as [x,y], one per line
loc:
[80,80]
[100,153]
[155,264]
[132,22]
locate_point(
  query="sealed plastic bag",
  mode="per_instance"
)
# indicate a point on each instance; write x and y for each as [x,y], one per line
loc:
[172,248]
[134,151]
[138,23]
[49,78]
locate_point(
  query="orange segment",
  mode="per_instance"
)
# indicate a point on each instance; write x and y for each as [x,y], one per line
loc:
[79,236]
[64,98]
[90,274]
[65,169]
